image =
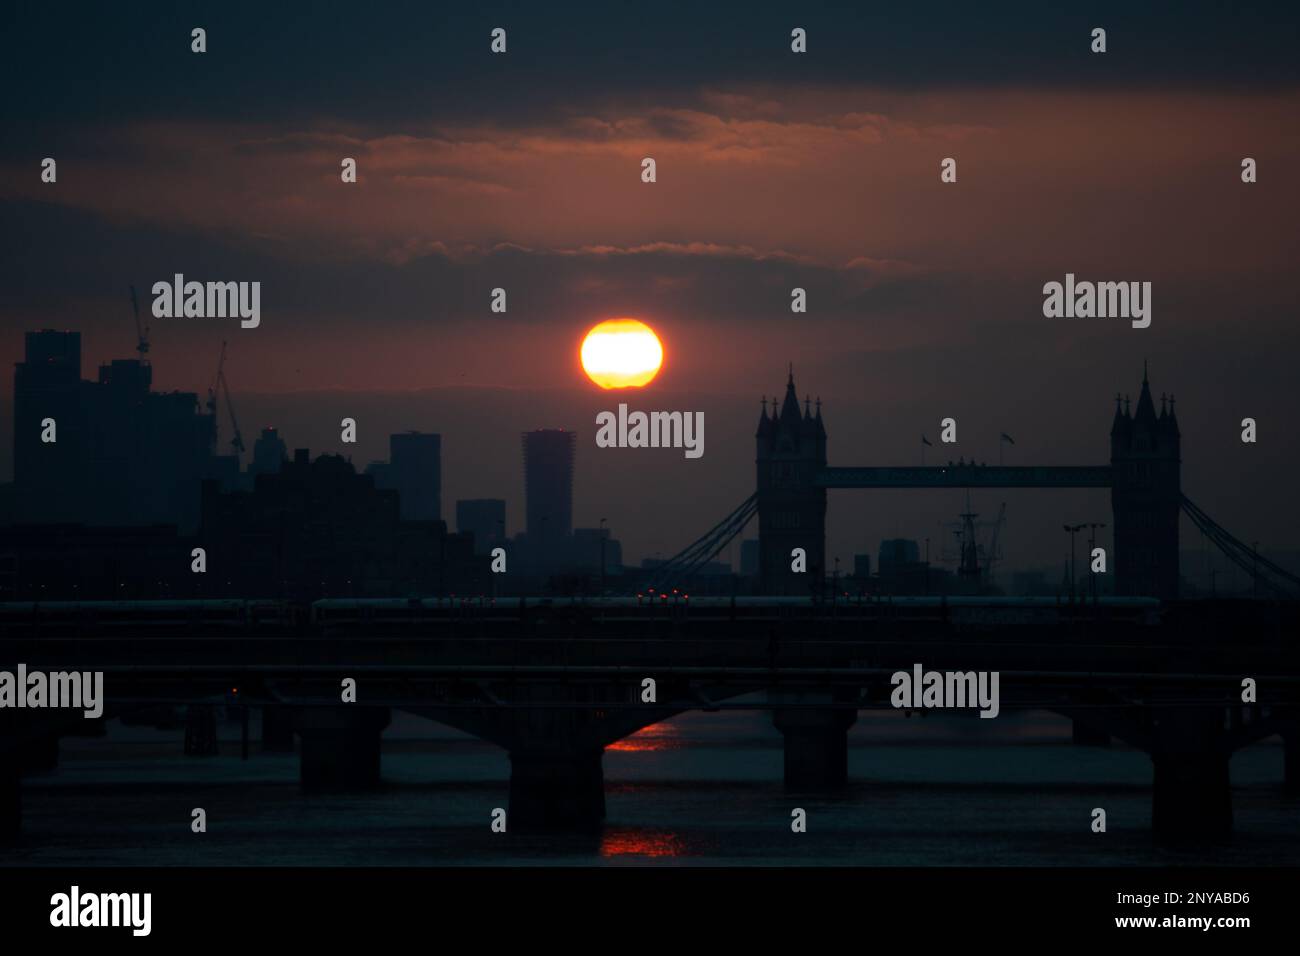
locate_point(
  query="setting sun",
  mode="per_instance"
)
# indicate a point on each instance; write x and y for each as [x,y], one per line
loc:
[621,353]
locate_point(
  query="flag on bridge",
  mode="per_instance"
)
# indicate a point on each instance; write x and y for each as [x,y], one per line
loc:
[1008,438]
[925,441]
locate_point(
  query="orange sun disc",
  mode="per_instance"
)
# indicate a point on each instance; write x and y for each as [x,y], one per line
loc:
[622,353]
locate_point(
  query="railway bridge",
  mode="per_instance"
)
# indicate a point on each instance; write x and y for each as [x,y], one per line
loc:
[554,682]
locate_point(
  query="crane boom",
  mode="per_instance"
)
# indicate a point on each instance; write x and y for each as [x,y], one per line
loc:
[221,388]
[216,380]
[237,443]
[993,543]
[212,396]
[141,335]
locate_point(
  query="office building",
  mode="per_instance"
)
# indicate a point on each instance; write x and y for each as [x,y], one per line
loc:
[485,519]
[548,485]
[415,473]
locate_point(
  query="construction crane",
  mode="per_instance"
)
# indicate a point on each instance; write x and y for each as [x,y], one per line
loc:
[141,335]
[220,387]
[975,561]
[992,557]
[216,382]
[969,564]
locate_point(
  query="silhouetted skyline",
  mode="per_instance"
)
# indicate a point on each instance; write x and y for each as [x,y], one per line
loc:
[776,171]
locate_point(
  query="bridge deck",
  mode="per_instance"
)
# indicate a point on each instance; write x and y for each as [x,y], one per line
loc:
[968,476]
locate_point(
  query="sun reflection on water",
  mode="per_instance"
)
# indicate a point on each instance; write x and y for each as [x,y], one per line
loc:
[640,842]
[663,736]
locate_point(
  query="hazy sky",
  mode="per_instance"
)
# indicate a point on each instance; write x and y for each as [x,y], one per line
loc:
[775,170]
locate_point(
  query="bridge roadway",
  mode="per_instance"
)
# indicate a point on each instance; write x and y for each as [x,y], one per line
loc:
[554,682]
[968,475]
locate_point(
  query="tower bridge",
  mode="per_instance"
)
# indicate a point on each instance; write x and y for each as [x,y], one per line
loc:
[1143,475]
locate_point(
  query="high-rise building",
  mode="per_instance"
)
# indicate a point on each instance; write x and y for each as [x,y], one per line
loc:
[900,569]
[862,566]
[595,551]
[47,385]
[485,518]
[898,551]
[548,485]
[415,473]
[269,453]
[122,454]
[318,529]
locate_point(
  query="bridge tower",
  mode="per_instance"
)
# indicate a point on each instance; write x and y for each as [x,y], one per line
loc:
[791,451]
[1146,496]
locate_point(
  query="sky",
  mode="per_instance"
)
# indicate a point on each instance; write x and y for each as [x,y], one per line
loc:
[774,170]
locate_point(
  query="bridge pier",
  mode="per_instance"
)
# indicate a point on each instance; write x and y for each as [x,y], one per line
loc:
[39,754]
[1191,798]
[816,740]
[556,788]
[340,746]
[277,729]
[1291,762]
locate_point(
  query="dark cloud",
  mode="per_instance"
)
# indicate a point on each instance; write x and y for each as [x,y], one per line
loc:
[699,280]
[379,64]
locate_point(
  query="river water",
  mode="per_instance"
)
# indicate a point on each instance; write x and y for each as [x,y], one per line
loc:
[703,788]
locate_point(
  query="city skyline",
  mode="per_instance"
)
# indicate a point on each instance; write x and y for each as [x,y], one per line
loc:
[849,545]
[414,472]
[819,172]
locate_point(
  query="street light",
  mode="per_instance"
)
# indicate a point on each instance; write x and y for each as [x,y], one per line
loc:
[1071,529]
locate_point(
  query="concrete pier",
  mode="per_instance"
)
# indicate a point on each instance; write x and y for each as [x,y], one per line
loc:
[1291,762]
[39,754]
[341,746]
[1191,799]
[277,729]
[816,741]
[558,788]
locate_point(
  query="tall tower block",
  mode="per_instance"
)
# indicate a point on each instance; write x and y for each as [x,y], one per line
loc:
[50,478]
[1146,496]
[548,486]
[791,451]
